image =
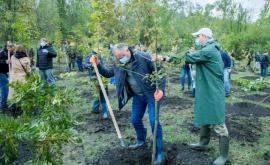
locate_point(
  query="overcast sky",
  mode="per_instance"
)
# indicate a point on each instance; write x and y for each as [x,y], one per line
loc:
[254,6]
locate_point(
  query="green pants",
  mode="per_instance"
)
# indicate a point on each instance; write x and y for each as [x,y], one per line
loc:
[220,129]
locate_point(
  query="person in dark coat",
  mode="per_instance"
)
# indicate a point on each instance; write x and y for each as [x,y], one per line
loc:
[264,64]
[45,55]
[4,69]
[186,70]
[130,71]
[227,70]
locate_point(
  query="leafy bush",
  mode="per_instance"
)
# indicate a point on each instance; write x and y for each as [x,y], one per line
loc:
[252,85]
[46,124]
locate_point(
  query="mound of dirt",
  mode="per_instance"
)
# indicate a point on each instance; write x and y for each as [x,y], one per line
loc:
[176,103]
[177,154]
[260,98]
[247,109]
[244,128]
[241,128]
[93,123]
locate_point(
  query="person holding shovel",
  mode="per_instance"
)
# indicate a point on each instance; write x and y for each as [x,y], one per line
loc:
[130,71]
[210,94]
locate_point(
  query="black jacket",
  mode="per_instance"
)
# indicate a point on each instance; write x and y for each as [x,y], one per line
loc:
[264,60]
[45,60]
[3,61]
[141,66]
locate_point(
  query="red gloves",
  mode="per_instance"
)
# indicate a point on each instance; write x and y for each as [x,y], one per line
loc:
[94,60]
[158,95]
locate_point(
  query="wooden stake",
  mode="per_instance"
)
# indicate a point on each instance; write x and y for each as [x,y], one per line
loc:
[109,106]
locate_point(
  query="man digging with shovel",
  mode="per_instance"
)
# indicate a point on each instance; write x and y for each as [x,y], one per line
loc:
[130,71]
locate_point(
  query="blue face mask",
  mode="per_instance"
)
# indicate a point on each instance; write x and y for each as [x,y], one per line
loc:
[124,60]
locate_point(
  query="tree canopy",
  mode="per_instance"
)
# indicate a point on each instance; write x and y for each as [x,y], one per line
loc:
[101,22]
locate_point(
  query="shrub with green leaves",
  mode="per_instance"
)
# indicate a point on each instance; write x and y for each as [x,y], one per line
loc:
[252,85]
[46,123]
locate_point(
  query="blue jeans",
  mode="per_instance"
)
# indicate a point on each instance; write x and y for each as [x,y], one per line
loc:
[263,70]
[97,104]
[47,75]
[100,102]
[79,61]
[4,90]
[185,72]
[138,109]
[227,82]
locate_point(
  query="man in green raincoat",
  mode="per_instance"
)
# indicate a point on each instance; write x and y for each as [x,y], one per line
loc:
[210,96]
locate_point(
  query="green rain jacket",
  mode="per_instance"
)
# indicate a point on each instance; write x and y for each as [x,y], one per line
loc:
[210,96]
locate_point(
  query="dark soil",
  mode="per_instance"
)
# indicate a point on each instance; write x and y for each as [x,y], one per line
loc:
[267,90]
[177,103]
[93,123]
[247,109]
[241,128]
[250,77]
[177,154]
[25,154]
[188,93]
[259,98]
[244,128]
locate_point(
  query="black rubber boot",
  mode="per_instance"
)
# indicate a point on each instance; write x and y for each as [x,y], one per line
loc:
[205,134]
[224,151]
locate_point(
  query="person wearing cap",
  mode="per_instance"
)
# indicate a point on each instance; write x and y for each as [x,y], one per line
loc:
[130,71]
[210,93]
[98,100]
[4,69]
[45,55]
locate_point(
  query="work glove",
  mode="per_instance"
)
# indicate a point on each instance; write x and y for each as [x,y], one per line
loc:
[158,95]
[94,60]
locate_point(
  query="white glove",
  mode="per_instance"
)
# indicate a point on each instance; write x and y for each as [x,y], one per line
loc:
[229,70]
[45,51]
